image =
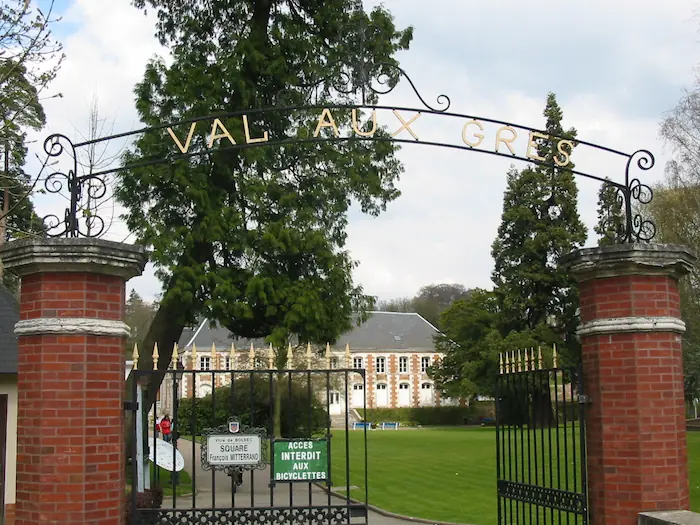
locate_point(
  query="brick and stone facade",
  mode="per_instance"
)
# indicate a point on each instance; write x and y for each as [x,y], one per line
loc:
[71,336]
[421,390]
[403,341]
[633,372]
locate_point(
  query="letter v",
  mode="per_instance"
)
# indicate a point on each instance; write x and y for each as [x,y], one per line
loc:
[186,147]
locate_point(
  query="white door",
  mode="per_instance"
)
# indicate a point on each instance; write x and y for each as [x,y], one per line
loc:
[426,395]
[358,396]
[404,395]
[382,395]
[336,405]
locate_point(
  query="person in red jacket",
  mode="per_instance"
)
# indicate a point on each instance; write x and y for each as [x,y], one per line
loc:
[165,428]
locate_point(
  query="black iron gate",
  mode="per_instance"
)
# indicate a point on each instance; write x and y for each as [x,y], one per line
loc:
[223,425]
[540,442]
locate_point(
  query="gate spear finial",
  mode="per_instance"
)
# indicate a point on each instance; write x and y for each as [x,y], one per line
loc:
[135,357]
[500,363]
[251,356]
[290,357]
[155,356]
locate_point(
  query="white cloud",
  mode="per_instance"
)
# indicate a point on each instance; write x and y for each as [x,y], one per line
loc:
[615,66]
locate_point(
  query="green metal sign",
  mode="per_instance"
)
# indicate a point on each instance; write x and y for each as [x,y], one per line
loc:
[300,460]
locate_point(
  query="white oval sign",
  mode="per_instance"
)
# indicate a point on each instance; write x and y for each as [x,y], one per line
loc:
[164,456]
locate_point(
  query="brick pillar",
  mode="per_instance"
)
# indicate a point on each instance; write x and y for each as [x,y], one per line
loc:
[71,365]
[633,372]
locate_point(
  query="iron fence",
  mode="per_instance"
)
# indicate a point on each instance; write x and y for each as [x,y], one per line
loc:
[540,443]
[257,445]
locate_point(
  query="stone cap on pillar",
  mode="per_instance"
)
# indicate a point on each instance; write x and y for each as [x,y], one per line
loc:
[629,259]
[70,255]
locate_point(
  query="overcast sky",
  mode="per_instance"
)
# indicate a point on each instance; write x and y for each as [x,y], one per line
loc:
[616,68]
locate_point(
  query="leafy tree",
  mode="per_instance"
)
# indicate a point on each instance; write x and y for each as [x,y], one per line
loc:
[469,341]
[675,210]
[434,299]
[540,223]
[254,238]
[138,315]
[400,304]
[29,61]
[611,216]
[429,302]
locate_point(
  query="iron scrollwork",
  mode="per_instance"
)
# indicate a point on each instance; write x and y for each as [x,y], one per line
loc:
[639,228]
[80,188]
[326,515]
[233,470]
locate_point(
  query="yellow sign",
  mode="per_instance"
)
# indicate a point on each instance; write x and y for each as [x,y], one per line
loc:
[473,134]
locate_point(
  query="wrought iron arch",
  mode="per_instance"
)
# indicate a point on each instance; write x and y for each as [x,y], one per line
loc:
[630,191]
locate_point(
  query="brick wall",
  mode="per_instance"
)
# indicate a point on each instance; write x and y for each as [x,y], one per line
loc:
[633,372]
[72,295]
[70,417]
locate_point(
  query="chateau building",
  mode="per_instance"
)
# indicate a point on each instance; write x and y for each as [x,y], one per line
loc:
[395,350]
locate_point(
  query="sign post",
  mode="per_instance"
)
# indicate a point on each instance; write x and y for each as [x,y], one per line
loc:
[234,448]
[300,460]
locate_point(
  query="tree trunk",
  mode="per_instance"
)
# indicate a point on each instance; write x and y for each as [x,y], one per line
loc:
[170,319]
[541,404]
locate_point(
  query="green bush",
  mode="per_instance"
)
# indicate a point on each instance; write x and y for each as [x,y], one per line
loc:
[149,499]
[426,416]
[252,408]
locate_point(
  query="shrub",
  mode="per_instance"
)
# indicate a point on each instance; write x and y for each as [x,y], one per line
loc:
[148,499]
[424,416]
[253,408]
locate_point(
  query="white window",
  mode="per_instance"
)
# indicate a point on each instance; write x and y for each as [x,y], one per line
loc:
[205,363]
[357,362]
[426,386]
[358,386]
[381,365]
[381,386]
[403,386]
[424,364]
[334,362]
[403,365]
[228,362]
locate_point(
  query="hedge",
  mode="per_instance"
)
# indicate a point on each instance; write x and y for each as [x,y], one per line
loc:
[431,416]
[195,415]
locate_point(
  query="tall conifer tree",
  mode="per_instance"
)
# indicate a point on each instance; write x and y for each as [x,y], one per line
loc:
[611,217]
[540,223]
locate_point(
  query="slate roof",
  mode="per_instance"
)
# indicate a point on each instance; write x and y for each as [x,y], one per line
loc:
[386,331]
[9,315]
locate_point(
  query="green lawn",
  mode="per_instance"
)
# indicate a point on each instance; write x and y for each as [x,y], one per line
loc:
[440,474]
